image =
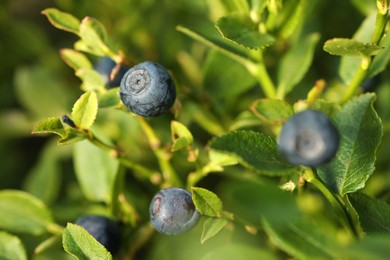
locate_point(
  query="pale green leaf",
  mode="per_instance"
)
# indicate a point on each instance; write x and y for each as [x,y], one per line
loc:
[62,20]
[211,227]
[50,125]
[206,202]
[85,109]
[271,111]
[360,134]
[76,60]
[350,47]
[79,243]
[181,136]
[11,247]
[94,35]
[92,80]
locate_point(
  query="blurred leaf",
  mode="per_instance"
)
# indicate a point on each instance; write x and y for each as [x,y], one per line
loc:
[96,171]
[62,20]
[73,136]
[85,109]
[206,202]
[296,62]
[211,227]
[373,247]
[366,7]
[76,60]
[255,151]
[11,247]
[241,30]
[181,136]
[374,214]
[381,60]
[271,111]
[92,80]
[23,213]
[109,98]
[239,251]
[302,239]
[360,134]
[81,45]
[79,243]
[350,47]
[50,125]
[94,35]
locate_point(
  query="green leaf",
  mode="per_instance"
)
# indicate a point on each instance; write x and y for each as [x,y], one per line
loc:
[73,136]
[373,247]
[79,243]
[271,111]
[76,60]
[350,47]
[211,227]
[109,98]
[381,60]
[92,80]
[241,30]
[94,35]
[360,134]
[23,213]
[374,214]
[255,151]
[81,45]
[11,247]
[96,171]
[181,136]
[296,63]
[206,202]
[62,20]
[302,239]
[85,109]
[51,125]
[234,251]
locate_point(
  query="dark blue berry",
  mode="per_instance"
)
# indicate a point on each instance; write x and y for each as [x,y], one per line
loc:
[147,89]
[309,138]
[105,230]
[172,211]
[104,66]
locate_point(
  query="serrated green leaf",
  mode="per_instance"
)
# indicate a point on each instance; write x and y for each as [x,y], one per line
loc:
[255,151]
[79,243]
[206,202]
[11,247]
[96,171]
[85,109]
[50,125]
[181,136]
[374,214]
[381,60]
[241,30]
[360,134]
[92,80]
[271,111]
[296,63]
[233,251]
[94,35]
[211,227]
[350,47]
[109,98]
[302,239]
[62,20]
[23,213]
[76,60]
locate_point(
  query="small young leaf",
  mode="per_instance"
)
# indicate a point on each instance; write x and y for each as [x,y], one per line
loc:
[350,47]
[360,134]
[11,247]
[50,125]
[211,227]
[76,60]
[79,243]
[92,80]
[96,171]
[206,202]
[181,136]
[62,20]
[93,34]
[374,214]
[295,63]
[271,111]
[85,109]
[241,30]
[255,151]
[23,213]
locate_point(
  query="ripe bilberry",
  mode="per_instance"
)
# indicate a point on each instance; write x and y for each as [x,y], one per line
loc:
[172,211]
[104,67]
[309,138]
[105,230]
[147,89]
